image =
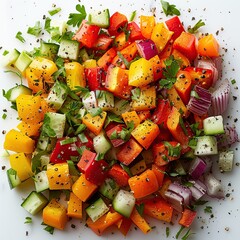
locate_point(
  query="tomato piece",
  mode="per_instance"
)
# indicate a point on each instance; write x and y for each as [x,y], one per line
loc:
[103,42]
[187,217]
[201,76]
[116,23]
[115,130]
[174,24]
[95,78]
[135,31]
[87,34]
[87,157]
[119,175]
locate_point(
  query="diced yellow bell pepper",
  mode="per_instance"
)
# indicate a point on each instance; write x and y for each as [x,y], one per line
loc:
[74,209]
[90,63]
[29,129]
[161,35]
[75,75]
[146,100]
[140,73]
[29,108]
[131,116]
[18,142]
[147,24]
[55,215]
[39,74]
[58,176]
[22,165]
[95,124]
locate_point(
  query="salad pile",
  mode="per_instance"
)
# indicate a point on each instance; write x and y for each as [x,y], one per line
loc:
[119,119]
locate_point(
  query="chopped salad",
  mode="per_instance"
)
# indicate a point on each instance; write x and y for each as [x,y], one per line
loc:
[120,119]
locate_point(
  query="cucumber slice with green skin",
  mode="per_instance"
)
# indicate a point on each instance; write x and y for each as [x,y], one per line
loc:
[49,50]
[97,209]
[10,58]
[12,94]
[41,181]
[23,61]
[206,145]
[101,144]
[13,178]
[72,168]
[105,100]
[69,49]
[213,125]
[45,143]
[225,161]
[109,188]
[99,18]
[54,125]
[34,203]
[124,203]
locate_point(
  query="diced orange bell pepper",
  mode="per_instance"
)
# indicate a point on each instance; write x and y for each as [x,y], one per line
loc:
[144,184]
[144,115]
[121,41]
[157,67]
[117,173]
[31,130]
[74,208]
[208,46]
[124,225]
[105,60]
[131,116]
[184,61]
[187,217]
[147,24]
[55,215]
[159,172]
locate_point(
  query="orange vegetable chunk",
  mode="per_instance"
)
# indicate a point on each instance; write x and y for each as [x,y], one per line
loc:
[208,46]
[74,208]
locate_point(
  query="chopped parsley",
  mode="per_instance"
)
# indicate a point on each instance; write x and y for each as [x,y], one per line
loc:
[35,30]
[169,9]
[20,37]
[4,116]
[195,28]
[28,220]
[208,209]
[75,19]
[132,16]
[54,11]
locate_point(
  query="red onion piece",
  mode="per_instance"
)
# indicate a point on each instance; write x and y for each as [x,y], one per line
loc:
[175,200]
[214,186]
[220,99]
[182,191]
[197,168]
[218,64]
[228,138]
[198,189]
[209,162]
[208,64]
[200,105]
[146,48]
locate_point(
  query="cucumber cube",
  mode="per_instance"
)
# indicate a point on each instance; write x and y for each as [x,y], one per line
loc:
[206,145]
[213,125]
[23,61]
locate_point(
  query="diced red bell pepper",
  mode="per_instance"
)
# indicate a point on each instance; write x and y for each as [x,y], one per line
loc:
[129,151]
[87,157]
[116,130]
[87,34]
[161,153]
[185,44]
[62,153]
[95,78]
[164,135]
[135,31]
[88,144]
[187,217]
[96,171]
[103,42]
[117,173]
[160,114]
[116,23]
[200,76]
[174,24]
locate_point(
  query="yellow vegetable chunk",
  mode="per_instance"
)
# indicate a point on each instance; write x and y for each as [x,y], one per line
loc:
[39,74]
[83,189]
[58,176]
[29,129]
[90,63]
[22,165]
[145,133]
[146,100]
[18,142]
[55,215]
[75,208]
[95,124]
[161,35]
[29,108]
[140,73]
[75,75]
[131,117]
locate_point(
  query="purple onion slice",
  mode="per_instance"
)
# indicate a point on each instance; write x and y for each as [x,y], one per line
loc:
[197,168]
[198,189]
[146,48]
[175,200]
[228,138]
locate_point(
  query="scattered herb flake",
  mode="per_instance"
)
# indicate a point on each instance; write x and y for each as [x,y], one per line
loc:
[169,9]
[28,220]
[54,11]
[20,37]
[208,209]
[35,30]
[195,28]
[167,231]
[6,52]
[4,116]
[75,19]
[133,14]
[140,208]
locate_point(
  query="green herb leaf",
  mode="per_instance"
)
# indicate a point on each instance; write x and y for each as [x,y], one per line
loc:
[100,156]
[114,135]
[187,234]
[169,9]
[61,69]
[80,129]
[35,30]
[132,16]
[6,52]
[46,129]
[126,169]
[4,116]
[83,138]
[48,228]
[84,92]
[167,231]
[173,151]
[75,19]
[136,92]
[36,161]
[170,72]
[195,28]
[95,111]
[208,209]
[28,220]
[124,60]
[20,37]
[111,117]
[140,208]
[233,81]
[54,11]
[47,25]
[183,126]
[179,232]
[68,141]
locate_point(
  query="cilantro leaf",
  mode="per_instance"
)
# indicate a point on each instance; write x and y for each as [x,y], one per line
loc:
[47,24]
[54,11]
[169,9]
[195,28]
[48,228]
[208,209]
[111,117]
[172,66]
[28,220]
[35,30]
[61,69]
[75,19]
[20,37]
